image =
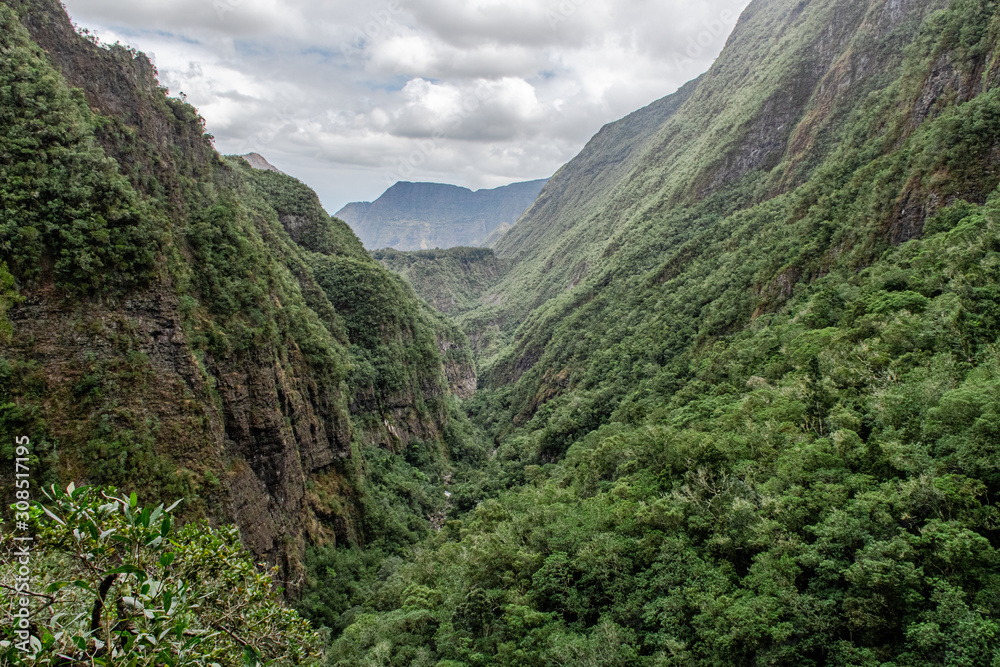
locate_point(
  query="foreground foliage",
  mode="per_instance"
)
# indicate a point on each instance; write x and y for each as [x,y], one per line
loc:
[120,586]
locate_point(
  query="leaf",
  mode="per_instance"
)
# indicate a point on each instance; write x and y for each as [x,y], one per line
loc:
[53,516]
[250,657]
[133,500]
[171,508]
[167,558]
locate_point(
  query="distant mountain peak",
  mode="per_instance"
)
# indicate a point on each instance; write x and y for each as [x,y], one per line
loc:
[257,161]
[420,216]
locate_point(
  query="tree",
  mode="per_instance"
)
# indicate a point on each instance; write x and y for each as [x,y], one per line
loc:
[122,587]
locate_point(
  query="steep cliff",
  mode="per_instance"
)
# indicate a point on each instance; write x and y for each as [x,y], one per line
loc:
[421,216]
[188,326]
[800,112]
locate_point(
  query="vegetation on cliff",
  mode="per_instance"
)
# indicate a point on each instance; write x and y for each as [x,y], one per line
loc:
[176,323]
[738,364]
[454,281]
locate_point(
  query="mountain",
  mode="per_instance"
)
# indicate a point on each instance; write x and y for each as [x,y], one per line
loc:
[421,216]
[741,374]
[183,325]
[257,161]
[354,212]
[727,394]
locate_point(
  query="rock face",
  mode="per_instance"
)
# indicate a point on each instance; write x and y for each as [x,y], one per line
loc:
[220,374]
[421,216]
[257,161]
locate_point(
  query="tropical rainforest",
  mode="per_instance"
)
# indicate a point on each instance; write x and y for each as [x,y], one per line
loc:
[728,393]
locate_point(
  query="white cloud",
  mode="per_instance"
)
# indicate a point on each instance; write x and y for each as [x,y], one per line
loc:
[473,92]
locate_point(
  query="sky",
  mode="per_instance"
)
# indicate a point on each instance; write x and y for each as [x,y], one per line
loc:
[352,97]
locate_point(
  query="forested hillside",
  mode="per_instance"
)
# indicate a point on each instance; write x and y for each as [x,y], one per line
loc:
[743,375]
[179,324]
[453,280]
[728,394]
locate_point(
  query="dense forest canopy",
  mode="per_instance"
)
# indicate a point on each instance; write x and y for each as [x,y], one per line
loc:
[727,394]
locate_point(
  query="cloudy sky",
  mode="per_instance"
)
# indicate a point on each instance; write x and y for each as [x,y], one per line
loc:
[351,97]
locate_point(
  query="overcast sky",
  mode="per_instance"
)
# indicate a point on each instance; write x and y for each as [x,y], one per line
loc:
[351,97]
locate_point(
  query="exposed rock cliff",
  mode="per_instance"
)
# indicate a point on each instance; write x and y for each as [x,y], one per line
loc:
[257,161]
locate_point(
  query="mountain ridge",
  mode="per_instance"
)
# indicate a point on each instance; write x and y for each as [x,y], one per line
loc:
[422,216]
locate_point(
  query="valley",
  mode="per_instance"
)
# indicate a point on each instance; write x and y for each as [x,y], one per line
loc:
[726,394]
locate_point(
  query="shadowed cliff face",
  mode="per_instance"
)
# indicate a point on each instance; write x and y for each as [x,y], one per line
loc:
[220,371]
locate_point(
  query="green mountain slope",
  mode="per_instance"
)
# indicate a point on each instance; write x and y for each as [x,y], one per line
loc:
[183,325]
[738,363]
[745,397]
[452,280]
